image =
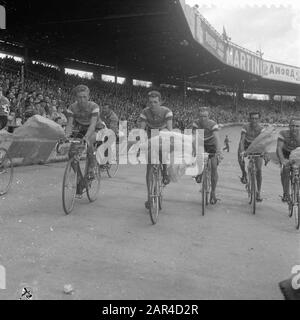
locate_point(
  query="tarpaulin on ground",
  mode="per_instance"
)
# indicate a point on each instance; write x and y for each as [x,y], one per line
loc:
[177,152]
[264,142]
[33,142]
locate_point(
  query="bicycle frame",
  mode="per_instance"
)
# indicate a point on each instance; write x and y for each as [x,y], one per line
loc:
[293,203]
[251,185]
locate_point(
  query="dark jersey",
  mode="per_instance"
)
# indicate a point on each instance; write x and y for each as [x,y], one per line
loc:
[209,128]
[289,143]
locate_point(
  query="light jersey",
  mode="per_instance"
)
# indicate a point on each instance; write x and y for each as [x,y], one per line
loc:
[4,106]
[156,119]
[251,133]
[84,115]
[209,128]
[289,143]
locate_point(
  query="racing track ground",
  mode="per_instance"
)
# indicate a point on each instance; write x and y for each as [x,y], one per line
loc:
[110,250]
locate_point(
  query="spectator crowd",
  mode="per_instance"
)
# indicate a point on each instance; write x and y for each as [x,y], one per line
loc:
[46,92]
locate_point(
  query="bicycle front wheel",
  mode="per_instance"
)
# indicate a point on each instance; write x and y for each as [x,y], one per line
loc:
[69,186]
[204,192]
[113,167]
[154,195]
[297,207]
[6,171]
[253,193]
[291,198]
[93,186]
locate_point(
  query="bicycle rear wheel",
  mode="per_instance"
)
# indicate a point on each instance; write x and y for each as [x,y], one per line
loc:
[204,191]
[69,186]
[297,207]
[6,171]
[291,199]
[253,193]
[93,186]
[113,167]
[154,195]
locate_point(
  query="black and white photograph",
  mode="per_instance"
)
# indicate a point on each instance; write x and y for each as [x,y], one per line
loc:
[149,150]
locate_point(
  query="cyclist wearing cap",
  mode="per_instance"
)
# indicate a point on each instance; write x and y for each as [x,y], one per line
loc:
[4,110]
[212,145]
[249,132]
[83,118]
[155,116]
[288,140]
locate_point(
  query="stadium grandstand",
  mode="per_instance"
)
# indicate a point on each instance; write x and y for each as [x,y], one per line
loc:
[164,44]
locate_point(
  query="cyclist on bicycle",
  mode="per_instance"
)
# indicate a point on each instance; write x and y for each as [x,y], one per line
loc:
[155,116]
[83,118]
[288,140]
[249,132]
[212,145]
[110,118]
[4,110]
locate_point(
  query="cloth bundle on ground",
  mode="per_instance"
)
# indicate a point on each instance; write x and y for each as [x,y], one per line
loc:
[265,142]
[180,153]
[40,128]
[295,156]
[35,141]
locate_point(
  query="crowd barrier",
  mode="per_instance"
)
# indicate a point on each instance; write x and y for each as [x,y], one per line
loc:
[31,151]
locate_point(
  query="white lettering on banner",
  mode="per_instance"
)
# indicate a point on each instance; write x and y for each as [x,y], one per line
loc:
[280,72]
[2,278]
[242,60]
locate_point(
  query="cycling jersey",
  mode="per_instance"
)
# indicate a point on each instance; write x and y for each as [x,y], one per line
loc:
[209,127]
[251,133]
[83,116]
[4,106]
[289,142]
[156,119]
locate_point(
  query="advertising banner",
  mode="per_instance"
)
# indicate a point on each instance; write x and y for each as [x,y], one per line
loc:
[281,72]
[242,59]
[208,38]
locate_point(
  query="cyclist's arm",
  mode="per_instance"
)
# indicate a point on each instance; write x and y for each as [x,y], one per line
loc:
[242,141]
[279,152]
[143,125]
[69,126]
[92,128]
[218,142]
[170,124]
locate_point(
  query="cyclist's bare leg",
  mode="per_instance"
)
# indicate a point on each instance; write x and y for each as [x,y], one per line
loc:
[241,162]
[285,172]
[148,173]
[90,153]
[214,179]
[258,164]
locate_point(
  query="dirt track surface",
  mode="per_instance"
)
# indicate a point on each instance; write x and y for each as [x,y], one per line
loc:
[110,250]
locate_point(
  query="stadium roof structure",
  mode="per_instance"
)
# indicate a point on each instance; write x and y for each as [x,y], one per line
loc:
[146,40]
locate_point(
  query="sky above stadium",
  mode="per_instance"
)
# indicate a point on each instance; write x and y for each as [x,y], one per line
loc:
[273,28]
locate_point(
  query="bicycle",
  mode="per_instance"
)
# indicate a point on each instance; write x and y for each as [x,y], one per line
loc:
[6,171]
[251,185]
[206,181]
[155,186]
[112,166]
[73,179]
[294,200]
